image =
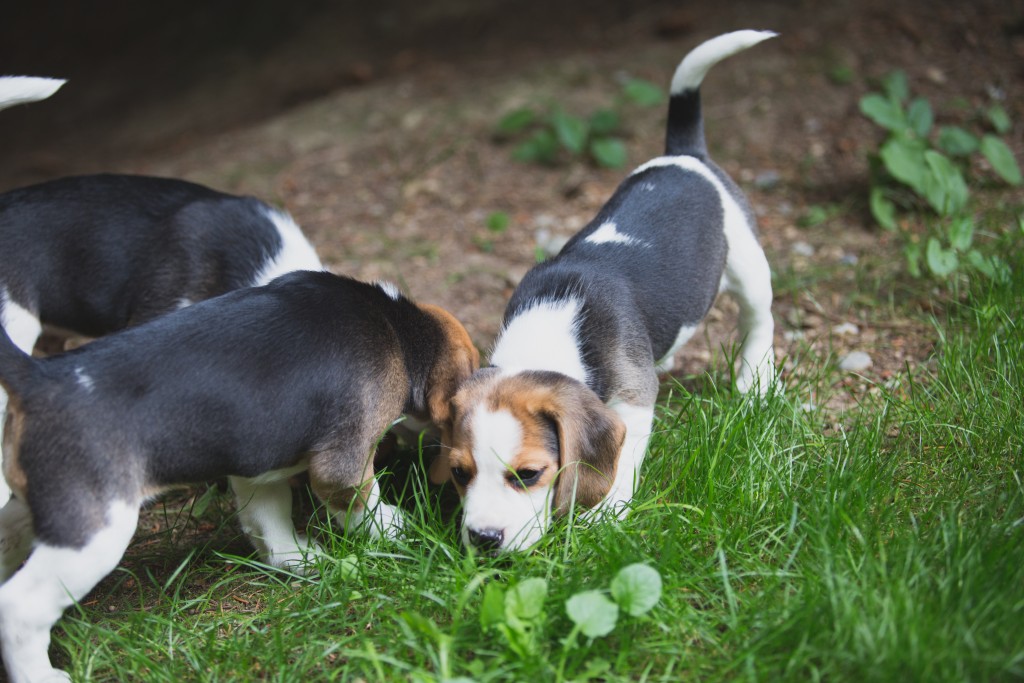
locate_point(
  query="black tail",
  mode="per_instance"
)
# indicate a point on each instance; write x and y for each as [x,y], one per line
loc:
[685,132]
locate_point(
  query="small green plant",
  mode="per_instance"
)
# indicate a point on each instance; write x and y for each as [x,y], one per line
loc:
[497,223]
[921,171]
[553,133]
[519,613]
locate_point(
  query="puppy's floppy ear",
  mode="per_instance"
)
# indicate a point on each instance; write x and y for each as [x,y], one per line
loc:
[590,437]
[457,359]
[439,469]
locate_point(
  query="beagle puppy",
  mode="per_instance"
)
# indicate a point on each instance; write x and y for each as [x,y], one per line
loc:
[563,415]
[93,254]
[305,373]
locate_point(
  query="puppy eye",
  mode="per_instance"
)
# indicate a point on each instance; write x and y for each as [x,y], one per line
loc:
[461,476]
[524,478]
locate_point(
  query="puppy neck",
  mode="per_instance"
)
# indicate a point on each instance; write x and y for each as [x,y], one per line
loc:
[543,336]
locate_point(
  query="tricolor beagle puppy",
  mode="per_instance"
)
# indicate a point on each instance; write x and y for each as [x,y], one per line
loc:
[93,254]
[565,413]
[305,373]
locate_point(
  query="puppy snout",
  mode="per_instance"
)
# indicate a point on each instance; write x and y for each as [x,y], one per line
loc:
[486,539]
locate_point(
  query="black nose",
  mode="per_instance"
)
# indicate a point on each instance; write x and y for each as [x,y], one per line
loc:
[486,539]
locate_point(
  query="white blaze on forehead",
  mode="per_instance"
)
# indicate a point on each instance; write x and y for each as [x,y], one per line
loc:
[490,501]
[609,234]
[542,337]
[497,437]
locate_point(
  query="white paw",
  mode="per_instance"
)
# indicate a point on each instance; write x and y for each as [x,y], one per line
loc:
[384,521]
[301,559]
[761,381]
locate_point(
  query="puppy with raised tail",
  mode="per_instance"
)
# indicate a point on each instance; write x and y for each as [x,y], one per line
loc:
[564,414]
[305,373]
[93,254]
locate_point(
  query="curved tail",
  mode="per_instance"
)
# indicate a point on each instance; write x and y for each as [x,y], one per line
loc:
[685,134]
[21,89]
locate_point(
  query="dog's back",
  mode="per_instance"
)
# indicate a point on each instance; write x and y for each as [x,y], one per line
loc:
[94,254]
[660,244]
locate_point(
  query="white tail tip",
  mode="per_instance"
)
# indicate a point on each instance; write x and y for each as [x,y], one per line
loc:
[21,89]
[695,65]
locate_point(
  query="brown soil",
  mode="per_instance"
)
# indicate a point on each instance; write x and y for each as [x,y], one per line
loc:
[376,132]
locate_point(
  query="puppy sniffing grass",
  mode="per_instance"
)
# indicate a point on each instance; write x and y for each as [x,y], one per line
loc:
[305,373]
[564,415]
[93,254]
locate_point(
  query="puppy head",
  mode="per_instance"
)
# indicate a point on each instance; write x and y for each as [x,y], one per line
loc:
[454,362]
[524,447]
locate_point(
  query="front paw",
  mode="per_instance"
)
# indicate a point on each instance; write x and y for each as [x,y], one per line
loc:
[760,382]
[384,521]
[301,559]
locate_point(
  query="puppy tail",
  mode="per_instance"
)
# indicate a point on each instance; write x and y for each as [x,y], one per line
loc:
[21,89]
[685,134]
[16,367]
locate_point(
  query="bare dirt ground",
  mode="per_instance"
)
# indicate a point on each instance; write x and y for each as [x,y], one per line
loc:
[376,131]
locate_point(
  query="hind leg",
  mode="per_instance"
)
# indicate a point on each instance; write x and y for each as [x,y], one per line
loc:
[344,480]
[748,278]
[24,328]
[54,578]
[16,536]
[265,510]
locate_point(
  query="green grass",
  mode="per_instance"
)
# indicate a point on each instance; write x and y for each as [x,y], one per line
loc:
[881,544]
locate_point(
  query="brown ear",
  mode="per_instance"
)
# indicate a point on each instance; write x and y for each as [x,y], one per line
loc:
[456,360]
[590,437]
[439,469]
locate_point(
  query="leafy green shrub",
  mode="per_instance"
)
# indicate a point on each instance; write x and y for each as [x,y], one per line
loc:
[547,136]
[921,171]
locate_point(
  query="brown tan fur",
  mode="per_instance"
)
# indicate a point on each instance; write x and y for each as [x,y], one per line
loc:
[590,435]
[13,429]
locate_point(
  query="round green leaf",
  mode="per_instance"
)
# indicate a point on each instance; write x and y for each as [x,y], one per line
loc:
[957,141]
[961,233]
[608,152]
[944,184]
[541,147]
[571,131]
[883,209]
[526,599]
[593,612]
[492,607]
[896,85]
[516,120]
[883,111]
[999,119]
[942,262]
[1001,158]
[637,588]
[604,122]
[904,159]
[920,117]
[644,93]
